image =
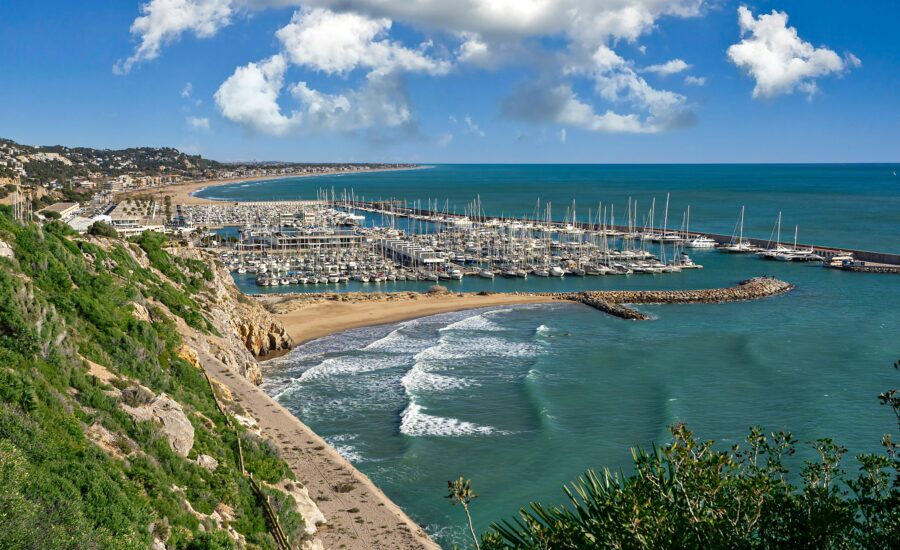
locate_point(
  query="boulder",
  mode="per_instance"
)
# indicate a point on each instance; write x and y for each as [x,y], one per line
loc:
[169,415]
[6,251]
[207,462]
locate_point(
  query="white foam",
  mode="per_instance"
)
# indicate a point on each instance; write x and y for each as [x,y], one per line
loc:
[419,379]
[346,365]
[475,322]
[396,341]
[543,329]
[415,423]
[345,449]
[476,347]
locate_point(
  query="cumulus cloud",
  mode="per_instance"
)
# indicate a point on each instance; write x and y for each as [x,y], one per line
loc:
[339,37]
[778,59]
[616,81]
[380,103]
[341,42]
[563,135]
[198,123]
[250,97]
[558,104]
[163,21]
[187,90]
[669,67]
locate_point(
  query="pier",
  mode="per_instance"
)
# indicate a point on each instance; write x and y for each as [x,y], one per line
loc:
[881,259]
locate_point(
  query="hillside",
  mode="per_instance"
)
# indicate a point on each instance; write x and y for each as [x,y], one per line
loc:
[45,164]
[110,435]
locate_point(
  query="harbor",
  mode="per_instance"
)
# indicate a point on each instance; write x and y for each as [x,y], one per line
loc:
[336,240]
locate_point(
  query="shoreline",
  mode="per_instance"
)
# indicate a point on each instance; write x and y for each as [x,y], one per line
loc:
[185,193]
[306,320]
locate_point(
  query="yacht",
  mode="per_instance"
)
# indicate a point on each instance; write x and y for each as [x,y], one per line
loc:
[485,274]
[700,241]
[557,271]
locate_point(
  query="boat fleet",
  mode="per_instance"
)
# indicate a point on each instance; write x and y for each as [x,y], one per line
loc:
[327,241]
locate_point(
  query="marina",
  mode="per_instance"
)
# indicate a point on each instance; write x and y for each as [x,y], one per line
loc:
[337,239]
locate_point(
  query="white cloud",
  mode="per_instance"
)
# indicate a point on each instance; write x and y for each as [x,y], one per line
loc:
[479,22]
[617,82]
[778,59]
[163,21]
[250,97]
[563,136]
[472,126]
[187,90]
[380,103]
[445,139]
[341,42]
[669,67]
[695,80]
[559,105]
[198,123]
[338,37]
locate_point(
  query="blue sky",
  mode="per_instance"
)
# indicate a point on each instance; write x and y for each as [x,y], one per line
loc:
[498,81]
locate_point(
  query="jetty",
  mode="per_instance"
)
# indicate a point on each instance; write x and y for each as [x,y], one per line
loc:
[615,302]
[313,315]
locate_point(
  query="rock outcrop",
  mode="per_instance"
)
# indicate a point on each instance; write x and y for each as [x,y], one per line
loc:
[259,332]
[169,415]
[6,251]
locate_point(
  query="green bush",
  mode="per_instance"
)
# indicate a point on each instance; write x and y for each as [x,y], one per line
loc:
[102,229]
[690,495]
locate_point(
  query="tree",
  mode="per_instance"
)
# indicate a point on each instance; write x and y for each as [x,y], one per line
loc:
[461,492]
[102,229]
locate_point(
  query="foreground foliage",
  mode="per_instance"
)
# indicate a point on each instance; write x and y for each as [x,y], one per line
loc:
[690,495]
[65,300]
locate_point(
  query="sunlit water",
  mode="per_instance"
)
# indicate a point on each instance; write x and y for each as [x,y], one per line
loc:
[523,399]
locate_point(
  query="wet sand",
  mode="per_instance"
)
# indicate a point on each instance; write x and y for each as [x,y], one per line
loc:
[307,320]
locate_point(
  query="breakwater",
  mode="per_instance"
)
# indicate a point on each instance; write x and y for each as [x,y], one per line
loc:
[825,251]
[613,301]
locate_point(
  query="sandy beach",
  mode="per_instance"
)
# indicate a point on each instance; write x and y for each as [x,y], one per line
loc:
[183,193]
[307,320]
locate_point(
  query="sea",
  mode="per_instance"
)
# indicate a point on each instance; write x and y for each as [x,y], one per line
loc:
[523,399]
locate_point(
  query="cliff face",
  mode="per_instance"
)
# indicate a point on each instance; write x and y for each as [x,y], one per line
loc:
[245,329]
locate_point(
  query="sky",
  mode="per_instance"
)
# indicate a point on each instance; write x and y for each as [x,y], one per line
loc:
[468,81]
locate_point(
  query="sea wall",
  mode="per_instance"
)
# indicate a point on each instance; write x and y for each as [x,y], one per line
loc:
[612,301]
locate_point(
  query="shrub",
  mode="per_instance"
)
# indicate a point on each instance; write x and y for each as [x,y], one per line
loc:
[102,229]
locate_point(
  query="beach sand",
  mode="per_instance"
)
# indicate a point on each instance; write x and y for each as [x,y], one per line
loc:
[306,321]
[359,516]
[183,193]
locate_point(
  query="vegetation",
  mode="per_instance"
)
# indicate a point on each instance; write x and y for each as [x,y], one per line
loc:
[460,491]
[102,229]
[65,301]
[690,495]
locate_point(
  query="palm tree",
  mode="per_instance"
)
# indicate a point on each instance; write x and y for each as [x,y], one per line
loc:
[461,492]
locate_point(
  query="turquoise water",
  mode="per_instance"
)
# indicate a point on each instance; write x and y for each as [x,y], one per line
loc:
[523,399]
[855,206]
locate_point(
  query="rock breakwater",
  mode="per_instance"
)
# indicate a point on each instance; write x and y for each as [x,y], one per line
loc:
[612,301]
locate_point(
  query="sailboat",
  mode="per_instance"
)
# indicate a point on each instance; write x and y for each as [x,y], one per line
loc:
[740,246]
[772,252]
